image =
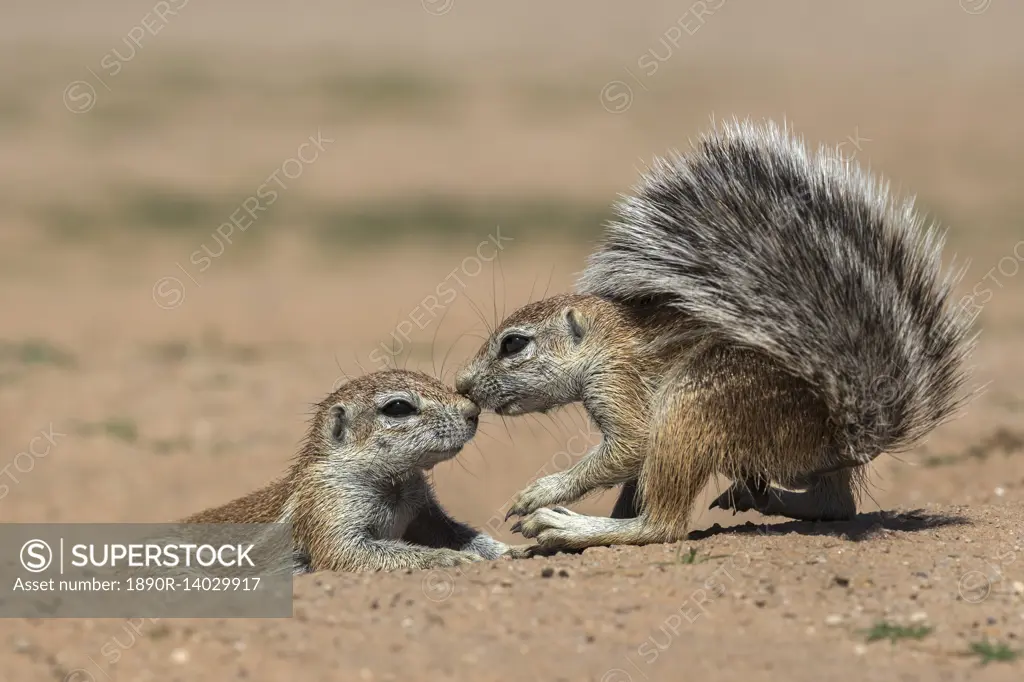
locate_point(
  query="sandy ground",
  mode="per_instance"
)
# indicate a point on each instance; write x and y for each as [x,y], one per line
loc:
[157,418]
[168,388]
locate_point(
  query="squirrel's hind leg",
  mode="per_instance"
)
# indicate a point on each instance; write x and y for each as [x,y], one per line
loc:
[767,426]
[830,497]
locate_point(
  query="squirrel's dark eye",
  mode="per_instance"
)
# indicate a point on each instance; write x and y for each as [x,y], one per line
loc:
[398,408]
[512,344]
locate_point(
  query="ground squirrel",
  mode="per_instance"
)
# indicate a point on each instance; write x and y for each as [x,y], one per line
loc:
[756,310]
[356,495]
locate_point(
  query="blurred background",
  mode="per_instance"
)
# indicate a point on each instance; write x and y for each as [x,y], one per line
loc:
[211,213]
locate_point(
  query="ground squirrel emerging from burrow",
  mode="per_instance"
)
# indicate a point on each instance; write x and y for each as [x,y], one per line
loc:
[357,496]
[757,311]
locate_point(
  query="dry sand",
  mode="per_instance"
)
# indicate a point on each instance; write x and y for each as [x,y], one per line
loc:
[171,400]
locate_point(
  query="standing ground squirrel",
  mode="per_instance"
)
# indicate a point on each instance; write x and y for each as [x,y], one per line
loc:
[356,496]
[756,311]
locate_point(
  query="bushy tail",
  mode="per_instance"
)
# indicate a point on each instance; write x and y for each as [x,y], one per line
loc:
[807,258]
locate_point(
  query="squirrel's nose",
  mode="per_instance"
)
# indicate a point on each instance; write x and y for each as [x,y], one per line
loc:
[470,411]
[464,382]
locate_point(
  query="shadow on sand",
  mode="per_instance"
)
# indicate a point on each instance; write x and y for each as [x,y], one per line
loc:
[861,527]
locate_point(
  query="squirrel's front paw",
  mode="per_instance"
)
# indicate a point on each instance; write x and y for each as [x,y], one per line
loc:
[449,558]
[550,527]
[486,547]
[544,492]
[522,551]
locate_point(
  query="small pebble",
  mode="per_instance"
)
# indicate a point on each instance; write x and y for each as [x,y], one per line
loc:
[1000,492]
[547,572]
[860,649]
[918,617]
[1018,587]
[562,573]
[180,656]
[833,620]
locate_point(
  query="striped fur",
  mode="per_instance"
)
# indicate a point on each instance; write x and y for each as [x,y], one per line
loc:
[806,257]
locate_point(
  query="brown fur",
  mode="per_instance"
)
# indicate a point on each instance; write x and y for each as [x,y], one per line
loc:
[356,495]
[756,310]
[261,506]
[673,415]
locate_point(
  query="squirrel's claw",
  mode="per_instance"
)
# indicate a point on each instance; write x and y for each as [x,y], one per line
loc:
[517,527]
[517,509]
[717,505]
[541,520]
[740,498]
[520,505]
[544,492]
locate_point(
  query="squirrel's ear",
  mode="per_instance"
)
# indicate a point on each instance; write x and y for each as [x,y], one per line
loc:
[338,423]
[575,322]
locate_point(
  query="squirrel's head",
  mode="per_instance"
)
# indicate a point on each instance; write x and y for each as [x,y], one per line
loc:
[396,420]
[537,358]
